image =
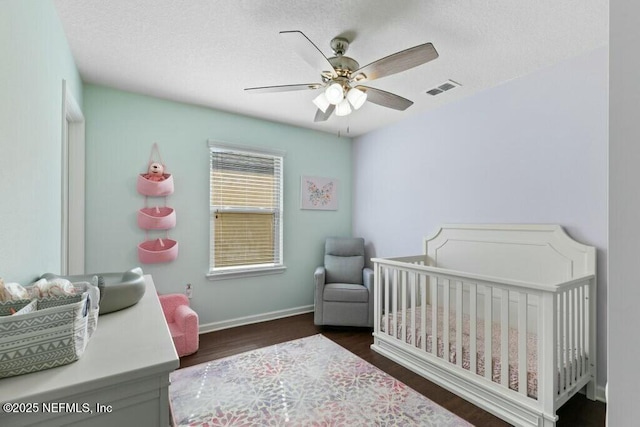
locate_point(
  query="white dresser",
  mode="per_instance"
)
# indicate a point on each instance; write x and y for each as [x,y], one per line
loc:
[121,380]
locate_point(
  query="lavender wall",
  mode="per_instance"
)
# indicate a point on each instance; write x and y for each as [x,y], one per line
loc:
[533,150]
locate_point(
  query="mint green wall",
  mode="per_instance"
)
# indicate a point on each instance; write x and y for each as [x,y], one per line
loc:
[35,59]
[121,128]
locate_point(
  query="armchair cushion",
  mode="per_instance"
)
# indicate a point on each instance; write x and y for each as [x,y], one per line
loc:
[346,292]
[344,269]
[344,260]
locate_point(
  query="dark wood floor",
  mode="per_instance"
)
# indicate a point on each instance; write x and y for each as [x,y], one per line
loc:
[579,411]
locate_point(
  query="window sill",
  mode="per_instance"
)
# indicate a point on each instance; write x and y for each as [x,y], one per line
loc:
[245,272]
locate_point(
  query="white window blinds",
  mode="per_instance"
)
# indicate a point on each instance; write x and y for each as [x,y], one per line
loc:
[246,209]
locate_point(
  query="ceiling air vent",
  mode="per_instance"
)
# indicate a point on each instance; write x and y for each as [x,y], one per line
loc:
[449,84]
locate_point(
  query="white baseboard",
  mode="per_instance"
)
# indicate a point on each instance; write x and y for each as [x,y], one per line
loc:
[257,318]
[600,394]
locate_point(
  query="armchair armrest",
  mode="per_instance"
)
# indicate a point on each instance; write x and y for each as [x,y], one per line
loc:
[367,278]
[319,277]
[186,318]
[170,302]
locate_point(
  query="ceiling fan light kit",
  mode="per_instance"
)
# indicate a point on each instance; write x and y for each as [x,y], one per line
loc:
[321,102]
[343,108]
[339,72]
[334,93]
[356,97]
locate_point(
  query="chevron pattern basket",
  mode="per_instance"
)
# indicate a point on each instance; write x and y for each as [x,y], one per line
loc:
[54,334]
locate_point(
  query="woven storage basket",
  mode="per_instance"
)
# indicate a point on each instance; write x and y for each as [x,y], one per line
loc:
[147,187]
[54,333]
[156,218]
[157,250]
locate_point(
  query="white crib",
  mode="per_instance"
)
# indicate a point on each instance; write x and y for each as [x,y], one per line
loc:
[530,288]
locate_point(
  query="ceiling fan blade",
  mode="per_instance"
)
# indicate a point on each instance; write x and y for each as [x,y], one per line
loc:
[385,99]
[321,117]
[284,88]
[397,62]
[308,51]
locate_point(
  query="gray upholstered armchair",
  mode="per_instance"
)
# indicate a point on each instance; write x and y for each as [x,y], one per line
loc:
[344,286]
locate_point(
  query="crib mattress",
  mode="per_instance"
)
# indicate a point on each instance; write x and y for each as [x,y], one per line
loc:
[414,337]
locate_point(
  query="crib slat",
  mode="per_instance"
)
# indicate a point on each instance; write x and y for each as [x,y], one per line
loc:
[412,324]
[473,328]
[589,333]
[423,311]
[403,305]
[385,298]
[459,295]
[543,351]
[582,321]
[445,320]
[504,338]
[574,335]
[434,316]
[581,344]
[567,340]
[488,316]
[522,343]
[394,303]
[569,348]
[377,290]
[561,340]
[387,326]
[580,350]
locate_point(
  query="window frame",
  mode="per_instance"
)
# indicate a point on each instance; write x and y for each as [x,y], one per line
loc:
[246,270]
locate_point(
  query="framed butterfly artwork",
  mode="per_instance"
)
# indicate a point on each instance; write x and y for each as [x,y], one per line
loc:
[318,193]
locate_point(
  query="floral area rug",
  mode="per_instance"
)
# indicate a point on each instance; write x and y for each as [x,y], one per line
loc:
[306,382]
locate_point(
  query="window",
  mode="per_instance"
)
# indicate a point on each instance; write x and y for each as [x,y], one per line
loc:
[246,210]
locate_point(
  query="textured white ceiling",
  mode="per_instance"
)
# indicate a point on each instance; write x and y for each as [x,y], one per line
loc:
[206,52]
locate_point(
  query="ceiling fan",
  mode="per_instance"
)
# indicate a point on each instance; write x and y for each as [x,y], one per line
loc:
[341,76]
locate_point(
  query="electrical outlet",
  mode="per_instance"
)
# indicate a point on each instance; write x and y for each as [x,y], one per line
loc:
[188,291]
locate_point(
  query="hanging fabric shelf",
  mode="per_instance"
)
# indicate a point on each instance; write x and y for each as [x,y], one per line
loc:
[156,183]
[147,187]
[157,250]
[157,218]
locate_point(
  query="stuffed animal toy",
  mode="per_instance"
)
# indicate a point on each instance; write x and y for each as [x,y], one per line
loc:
[12,292]
[155,173]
